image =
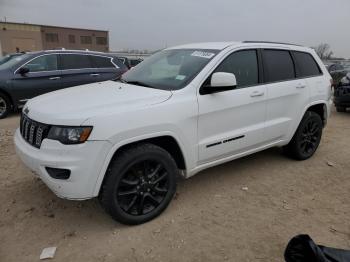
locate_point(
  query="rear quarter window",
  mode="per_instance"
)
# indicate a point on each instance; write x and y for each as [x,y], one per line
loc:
[75,61]
[102,62]
[278,65]
[306,65]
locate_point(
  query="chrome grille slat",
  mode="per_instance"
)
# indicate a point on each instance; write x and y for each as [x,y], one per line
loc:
[33,132]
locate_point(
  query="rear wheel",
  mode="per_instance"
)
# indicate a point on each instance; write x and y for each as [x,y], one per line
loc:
[307,137]
[140,184]
[340,109]
[5,105]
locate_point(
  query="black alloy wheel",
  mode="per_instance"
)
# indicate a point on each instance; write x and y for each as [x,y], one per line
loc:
[310,136]
[306,138]
[143,187]
[139,184]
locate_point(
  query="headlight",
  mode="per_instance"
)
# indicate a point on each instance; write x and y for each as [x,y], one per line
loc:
[69,135]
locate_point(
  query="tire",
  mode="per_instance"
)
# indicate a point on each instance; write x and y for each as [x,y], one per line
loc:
[341,109]
[139,184]
[307,137]
[5,106]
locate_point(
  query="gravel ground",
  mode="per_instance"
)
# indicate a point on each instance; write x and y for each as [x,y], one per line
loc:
[210,219]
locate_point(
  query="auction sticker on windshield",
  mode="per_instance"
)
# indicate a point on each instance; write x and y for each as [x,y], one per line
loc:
[203,54]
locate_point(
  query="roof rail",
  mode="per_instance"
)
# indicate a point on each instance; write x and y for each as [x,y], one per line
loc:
[268,42]
[70,50]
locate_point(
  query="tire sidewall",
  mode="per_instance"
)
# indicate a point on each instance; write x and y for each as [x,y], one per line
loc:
[119,168]
[7,102]
[308,117]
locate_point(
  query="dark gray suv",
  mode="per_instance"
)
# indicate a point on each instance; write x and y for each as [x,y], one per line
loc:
[37,73]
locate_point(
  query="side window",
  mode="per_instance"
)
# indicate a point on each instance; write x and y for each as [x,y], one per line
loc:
[119,63]
[278,65]
[339,67]
[102,62]
[75,61]
[244,64]
[306,65]
[43,63]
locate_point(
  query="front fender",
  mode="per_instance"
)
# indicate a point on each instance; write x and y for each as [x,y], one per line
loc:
[130,140]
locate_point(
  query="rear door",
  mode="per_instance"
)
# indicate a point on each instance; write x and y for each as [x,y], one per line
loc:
[287,95]
[43,77]
[233,121]
[77,69]
[308,69]
[107,67]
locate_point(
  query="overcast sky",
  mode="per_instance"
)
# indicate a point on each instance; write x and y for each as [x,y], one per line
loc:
[154,24]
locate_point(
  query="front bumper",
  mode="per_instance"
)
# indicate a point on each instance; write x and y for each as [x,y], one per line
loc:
[85,162]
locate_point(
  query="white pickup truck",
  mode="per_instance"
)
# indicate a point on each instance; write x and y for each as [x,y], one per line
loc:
[180,111]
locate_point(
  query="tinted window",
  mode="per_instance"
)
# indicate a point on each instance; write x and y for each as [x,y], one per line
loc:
[75,61]
[102,62]
[119,63]
[306,65]
[339,67]
[43,63]
[278,65]
[244,64]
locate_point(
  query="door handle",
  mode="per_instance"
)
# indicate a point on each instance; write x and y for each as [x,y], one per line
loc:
[54,78]
[257,93]
[301,85]
[94,74]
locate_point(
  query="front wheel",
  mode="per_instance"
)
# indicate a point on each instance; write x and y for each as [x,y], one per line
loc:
[139,184]
[4,106]
[307,137]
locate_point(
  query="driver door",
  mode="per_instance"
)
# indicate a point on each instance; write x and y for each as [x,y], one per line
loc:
[43,77]
[233,121]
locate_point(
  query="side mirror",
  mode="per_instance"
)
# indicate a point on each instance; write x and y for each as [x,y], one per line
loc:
[348,76]
[219,82]
[221,79]
[23,70]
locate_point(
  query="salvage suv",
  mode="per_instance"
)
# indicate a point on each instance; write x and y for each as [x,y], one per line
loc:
[182,110]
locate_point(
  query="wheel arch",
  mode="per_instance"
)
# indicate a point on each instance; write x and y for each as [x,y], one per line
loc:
[166,141]
[320,107]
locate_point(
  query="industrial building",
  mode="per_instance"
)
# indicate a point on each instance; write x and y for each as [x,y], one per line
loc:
[19,37]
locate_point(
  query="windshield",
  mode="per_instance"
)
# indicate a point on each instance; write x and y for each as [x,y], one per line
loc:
[15,60]
[7,58]
[169,69]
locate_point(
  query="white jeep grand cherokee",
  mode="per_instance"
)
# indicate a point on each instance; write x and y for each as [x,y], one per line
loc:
[182,110]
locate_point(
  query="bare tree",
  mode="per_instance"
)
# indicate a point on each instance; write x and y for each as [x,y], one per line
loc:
[324,51]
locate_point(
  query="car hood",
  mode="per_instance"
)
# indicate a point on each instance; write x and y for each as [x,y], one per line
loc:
[72,106]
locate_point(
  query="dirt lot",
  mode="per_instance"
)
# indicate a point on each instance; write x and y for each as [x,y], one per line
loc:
[211,219]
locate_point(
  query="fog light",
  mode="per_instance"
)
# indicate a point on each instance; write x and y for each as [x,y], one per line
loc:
[58,173]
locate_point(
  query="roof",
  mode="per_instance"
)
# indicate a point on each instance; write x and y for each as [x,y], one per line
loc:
[207,45]
[223,45]
[62,51]
[74,28]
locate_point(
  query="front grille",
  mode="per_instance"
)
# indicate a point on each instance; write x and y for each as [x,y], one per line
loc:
[33,132]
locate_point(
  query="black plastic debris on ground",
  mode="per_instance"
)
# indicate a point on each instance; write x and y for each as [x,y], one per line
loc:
[302,248]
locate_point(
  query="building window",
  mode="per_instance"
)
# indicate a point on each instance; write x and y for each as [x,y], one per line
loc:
[51,37]
[101,40]
[87,40]
[71,39]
